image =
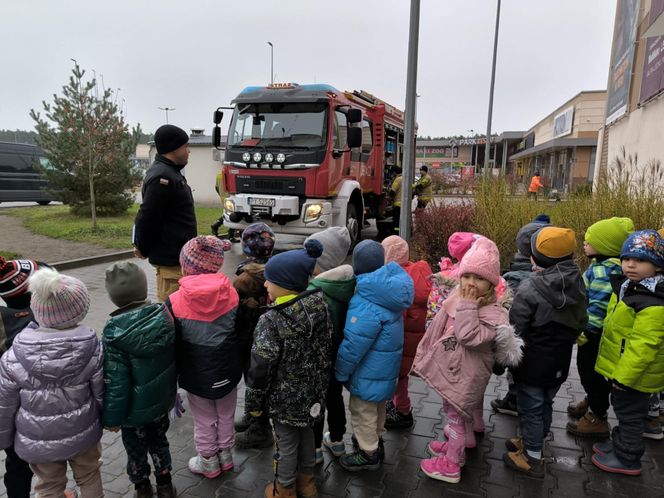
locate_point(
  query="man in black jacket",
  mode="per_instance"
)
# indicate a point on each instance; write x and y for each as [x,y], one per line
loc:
[166,219]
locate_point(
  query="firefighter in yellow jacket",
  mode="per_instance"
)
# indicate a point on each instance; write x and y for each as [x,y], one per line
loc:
[395,191]
[423,188]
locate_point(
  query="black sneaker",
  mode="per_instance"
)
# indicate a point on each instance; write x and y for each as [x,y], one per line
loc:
[257,435]
[360,460]
[381,447]
[506,406]
[244,423]
[398,420]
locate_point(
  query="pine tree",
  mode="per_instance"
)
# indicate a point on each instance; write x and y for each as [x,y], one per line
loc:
[88,144]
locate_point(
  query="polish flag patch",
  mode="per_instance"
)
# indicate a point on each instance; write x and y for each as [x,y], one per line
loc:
[163,181]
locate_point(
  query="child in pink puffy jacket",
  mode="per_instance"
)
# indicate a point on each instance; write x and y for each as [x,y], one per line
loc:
[443,282]
[469,333]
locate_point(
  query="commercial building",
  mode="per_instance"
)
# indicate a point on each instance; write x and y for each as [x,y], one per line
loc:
[632,132]
[563,145]
[465,156]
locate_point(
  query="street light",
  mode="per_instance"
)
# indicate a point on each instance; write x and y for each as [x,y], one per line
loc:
[271,63]
[166,109]
[487,147]
[408,172]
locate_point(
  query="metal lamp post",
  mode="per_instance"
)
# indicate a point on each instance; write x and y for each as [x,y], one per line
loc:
[271,63]
[167,109]
[487,149]
[405,220]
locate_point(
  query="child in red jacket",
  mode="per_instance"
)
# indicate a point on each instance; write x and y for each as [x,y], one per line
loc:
[399,412]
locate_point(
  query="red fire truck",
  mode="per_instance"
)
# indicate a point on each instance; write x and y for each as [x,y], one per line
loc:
[303,158]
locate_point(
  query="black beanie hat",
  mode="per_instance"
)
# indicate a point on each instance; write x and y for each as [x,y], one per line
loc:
[167,138]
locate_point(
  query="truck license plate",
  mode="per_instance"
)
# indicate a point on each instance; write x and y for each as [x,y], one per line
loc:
[261,201]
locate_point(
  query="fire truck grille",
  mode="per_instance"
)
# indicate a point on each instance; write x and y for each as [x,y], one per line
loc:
[261,211]
[270,185]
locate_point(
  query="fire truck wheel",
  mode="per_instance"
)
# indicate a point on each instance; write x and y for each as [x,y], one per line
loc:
[353,224]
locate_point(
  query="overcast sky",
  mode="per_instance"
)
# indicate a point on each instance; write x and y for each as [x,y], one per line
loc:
[197,55]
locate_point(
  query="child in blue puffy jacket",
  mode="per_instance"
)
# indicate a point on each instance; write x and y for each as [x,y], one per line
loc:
[370,354]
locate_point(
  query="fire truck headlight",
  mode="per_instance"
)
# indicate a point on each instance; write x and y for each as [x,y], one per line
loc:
[246,157]
[229,206]
[281,157]
[269,158]
[313,212]
[257,157]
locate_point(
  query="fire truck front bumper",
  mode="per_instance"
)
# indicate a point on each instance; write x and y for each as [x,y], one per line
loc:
[283,213]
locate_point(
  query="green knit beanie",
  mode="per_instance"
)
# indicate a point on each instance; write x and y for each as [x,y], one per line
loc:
[607,236]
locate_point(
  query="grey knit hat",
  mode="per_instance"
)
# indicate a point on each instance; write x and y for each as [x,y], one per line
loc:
[336,244]
[126,283]
[524,235]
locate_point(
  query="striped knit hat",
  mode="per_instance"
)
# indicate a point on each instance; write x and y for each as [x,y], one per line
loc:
[203,254]
[14,276]
[58,301]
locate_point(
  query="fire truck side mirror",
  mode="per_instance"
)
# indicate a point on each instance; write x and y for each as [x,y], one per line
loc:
[354,116]
[354,137]
[216,136]
[218,116]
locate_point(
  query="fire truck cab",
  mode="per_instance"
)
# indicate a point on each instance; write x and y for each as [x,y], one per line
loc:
[303,158]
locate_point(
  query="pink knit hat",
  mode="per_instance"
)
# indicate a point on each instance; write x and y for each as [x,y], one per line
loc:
[396,249]
[483,259]
[459,243]
[203,254]
[58,301]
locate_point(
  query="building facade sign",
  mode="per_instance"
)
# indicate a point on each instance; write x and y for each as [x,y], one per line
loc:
[652,81]
[562,123]
[437,151]
[622,59]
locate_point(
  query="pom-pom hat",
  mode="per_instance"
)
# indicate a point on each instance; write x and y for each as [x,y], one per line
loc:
[58,301]
[203,254]
[336,244]
[291,269]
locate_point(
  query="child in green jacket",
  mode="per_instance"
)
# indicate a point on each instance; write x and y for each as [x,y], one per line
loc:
[140,377]
[337,281]
[631,352]
[603,243]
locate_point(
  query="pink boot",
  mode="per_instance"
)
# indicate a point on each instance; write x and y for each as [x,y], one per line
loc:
[441,469]
[470,441]
[439,449]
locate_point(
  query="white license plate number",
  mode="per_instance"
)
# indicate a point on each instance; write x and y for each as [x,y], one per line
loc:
[259,201]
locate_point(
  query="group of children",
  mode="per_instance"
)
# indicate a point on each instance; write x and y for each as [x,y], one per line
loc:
[302,325]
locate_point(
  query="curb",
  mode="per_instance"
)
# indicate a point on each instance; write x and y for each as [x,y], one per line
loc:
[93,260]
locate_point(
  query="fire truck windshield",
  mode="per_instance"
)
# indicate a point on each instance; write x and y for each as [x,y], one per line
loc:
[289,125]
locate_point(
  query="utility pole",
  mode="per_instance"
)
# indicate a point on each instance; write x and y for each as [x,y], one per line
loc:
[167,109]
[408,172]
[271,63]
[487,149]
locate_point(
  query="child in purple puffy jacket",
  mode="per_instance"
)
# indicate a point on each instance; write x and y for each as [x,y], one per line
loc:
[60,364]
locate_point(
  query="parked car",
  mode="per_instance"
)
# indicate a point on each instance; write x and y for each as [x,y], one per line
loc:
[21,177]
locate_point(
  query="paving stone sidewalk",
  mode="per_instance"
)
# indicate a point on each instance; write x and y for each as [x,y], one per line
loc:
[569,471]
